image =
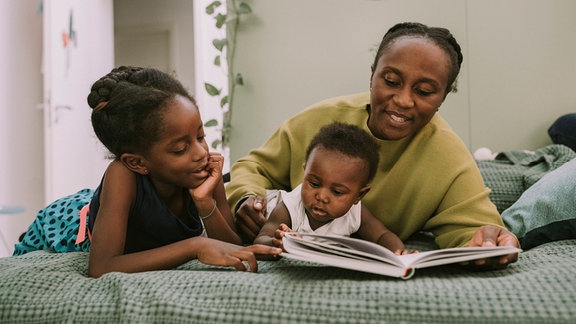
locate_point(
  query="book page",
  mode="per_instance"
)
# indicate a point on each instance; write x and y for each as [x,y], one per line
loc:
[454,255]
[302,252]
[351,249]
[342,245]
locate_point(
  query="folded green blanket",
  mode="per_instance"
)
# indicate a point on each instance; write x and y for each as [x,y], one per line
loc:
[512,172]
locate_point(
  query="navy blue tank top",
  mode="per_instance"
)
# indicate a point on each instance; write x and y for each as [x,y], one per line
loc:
[151,224]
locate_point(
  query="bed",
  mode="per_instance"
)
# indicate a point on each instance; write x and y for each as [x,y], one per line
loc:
[45,287]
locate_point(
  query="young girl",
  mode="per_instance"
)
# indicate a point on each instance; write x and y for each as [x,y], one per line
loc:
[160,198]
[341,160]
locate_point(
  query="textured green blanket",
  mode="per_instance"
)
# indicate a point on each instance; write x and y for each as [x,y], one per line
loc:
[43,287]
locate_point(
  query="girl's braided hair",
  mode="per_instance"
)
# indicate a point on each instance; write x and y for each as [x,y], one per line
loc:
[127,107]
[440,36]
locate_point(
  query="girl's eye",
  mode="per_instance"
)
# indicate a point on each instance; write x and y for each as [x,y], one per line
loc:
[182,150]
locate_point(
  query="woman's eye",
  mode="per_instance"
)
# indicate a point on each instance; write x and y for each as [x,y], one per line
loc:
[423,92]
[392,83]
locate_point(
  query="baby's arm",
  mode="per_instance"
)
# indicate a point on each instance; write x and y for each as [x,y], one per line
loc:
[278,222]
[372,229]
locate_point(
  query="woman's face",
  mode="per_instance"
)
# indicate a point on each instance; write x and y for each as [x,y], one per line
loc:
[407,87]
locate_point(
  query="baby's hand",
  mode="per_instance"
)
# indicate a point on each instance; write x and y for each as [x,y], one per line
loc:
[405,251]
[284,228]
[279,234]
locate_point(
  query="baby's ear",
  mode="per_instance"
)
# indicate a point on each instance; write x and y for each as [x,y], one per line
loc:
[363,191]
[134,162]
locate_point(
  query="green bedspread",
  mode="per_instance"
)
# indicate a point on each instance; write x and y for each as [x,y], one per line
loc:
[43,287]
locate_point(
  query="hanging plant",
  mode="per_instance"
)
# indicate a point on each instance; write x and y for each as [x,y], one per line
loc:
[226,49]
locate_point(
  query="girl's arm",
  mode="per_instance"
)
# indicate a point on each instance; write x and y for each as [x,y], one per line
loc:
[371,229]
[210,200]
[109,236]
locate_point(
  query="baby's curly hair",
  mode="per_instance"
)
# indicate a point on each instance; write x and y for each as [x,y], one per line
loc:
[127,107]
[349,140]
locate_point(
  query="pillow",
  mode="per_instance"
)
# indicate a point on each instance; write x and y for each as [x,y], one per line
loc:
[563,131]
[510,173]
[546,211]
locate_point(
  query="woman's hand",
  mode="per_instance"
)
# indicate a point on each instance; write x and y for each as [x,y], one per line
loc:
[250,217]
[490,235]
[219,253]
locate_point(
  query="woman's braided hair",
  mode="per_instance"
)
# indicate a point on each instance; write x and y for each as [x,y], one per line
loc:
[127,107]
[440,36]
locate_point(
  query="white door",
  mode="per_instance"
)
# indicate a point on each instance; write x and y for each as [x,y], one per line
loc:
[78,49]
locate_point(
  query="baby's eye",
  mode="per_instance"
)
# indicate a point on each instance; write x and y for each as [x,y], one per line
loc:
[201,138]
[313,184]
[337,193]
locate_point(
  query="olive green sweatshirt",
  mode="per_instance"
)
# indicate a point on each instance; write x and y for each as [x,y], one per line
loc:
[425,182]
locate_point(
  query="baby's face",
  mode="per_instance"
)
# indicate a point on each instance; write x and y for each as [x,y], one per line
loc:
[333,182]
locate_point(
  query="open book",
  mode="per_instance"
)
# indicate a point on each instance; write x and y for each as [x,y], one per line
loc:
[356,254]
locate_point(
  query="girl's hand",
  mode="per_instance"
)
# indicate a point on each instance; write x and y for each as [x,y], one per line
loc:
[219,253]
[205,191]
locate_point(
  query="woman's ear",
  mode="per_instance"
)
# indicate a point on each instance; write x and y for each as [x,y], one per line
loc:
[135,163]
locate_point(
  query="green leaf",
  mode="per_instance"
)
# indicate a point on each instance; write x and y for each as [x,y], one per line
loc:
[211,123]
[215,143]
[239,80]
[220,20]
[244,8]
[223,101]
[220,43]
[212,90]
[217,60]
[211,7]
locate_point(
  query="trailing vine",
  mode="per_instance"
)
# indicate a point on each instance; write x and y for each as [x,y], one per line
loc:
[230,19]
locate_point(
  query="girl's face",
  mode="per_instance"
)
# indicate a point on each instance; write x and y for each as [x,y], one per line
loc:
[333,182]
[180,156]
[407,87]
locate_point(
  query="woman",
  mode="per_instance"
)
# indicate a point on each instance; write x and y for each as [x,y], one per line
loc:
[427,179]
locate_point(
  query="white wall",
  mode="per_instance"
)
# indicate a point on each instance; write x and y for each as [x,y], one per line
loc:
[21,122]
[174,14]
[516,79]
